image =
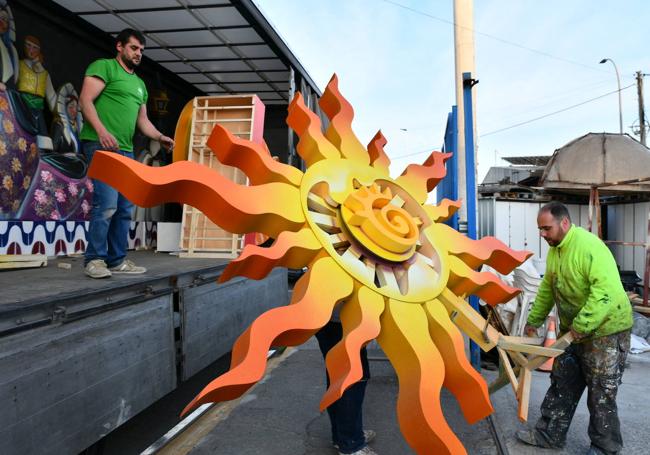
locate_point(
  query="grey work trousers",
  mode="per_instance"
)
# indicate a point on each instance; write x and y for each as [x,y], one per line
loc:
[596,365]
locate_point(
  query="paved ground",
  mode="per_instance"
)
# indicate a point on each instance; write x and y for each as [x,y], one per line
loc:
[280,415]
[633,403]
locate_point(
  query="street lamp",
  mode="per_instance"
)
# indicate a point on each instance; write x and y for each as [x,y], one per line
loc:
[620,106]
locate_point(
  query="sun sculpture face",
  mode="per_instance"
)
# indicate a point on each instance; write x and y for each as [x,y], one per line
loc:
[372,246]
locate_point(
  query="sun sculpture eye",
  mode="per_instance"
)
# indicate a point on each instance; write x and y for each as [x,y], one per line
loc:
[373,247]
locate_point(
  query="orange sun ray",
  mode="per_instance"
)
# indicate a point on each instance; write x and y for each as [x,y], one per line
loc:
[488,250]
[420,179]
[339,132]
[378,158]
[360,320]
[311,308]
[313,146]
[291,249]
[461,378]
[486,285]
[443,211]
[406,341]
[252,158]
[249,208]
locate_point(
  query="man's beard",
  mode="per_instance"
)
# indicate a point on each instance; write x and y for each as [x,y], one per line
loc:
[130,64]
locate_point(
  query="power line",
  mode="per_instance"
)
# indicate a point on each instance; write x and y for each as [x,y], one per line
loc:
[553,113]
[429,150]
[496,38]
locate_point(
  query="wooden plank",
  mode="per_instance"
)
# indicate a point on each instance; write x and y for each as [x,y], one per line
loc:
[22,261]
[524,340]
[469,320]
[529,349]
[523,394]
[208,255]
[22,257]
[642,309]
[518,358]
[562,343]
[22,264]
[505,361]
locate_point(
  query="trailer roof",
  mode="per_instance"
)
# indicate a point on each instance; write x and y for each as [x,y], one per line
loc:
[219,46]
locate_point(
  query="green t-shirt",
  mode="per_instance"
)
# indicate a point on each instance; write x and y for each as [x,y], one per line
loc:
[118,104]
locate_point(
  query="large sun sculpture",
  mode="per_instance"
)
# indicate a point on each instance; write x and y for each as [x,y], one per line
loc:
[372,246]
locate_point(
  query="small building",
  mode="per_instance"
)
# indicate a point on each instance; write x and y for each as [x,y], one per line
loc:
[603,178]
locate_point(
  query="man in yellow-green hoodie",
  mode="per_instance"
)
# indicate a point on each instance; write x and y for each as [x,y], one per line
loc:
[582,279]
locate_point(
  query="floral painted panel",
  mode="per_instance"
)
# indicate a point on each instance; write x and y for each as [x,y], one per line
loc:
[19,159]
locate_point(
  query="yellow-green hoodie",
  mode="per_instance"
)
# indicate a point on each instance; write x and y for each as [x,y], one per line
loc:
[583,280]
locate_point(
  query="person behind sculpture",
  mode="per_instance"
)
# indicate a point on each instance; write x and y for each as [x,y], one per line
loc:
[8,55]
[582,279]
[35,87]
[346,414]
[113,102]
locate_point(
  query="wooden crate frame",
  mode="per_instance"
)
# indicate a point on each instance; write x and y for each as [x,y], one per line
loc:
[243,116]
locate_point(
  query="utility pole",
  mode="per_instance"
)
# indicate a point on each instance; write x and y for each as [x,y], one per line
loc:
[639,91]
[464,62]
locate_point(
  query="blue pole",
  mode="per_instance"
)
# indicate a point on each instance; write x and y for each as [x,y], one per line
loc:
[448,188]
[470,179]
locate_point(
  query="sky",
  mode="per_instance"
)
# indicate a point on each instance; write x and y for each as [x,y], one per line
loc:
[395,63]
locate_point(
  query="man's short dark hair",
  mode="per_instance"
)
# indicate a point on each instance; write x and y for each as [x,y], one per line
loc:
[557,209]
[123,37]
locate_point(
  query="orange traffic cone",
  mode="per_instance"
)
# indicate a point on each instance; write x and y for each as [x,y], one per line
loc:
[548,341]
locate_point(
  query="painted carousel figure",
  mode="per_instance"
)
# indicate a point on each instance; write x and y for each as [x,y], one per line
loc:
[68,121]
[35,87]
[8,55]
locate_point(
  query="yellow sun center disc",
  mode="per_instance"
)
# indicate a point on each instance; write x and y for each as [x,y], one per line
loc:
[375,230]
[379,224]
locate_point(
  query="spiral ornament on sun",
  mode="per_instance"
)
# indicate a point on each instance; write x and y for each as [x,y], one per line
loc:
[373,248]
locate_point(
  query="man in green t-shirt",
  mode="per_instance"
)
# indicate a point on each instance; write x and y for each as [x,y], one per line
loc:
[113,102]
[582,280]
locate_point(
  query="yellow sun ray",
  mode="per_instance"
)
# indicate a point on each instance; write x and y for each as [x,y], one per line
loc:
[311,307]
[378,158]
[443,211]
[419,180]
[252,158]
[339,131]
[249,208]
[487,250]
[313,145]
[406,341]
[291,249]
[360,320]
[461,378]
[486,285]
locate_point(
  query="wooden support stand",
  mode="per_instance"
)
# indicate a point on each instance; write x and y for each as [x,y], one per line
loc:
[519,375]
[241,115]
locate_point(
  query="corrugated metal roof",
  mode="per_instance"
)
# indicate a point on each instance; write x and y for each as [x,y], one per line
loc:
[222,46]
[527,160]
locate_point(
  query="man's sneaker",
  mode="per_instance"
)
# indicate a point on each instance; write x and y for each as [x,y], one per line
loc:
[128,267]
[97,269]
[364,451]
[369,435]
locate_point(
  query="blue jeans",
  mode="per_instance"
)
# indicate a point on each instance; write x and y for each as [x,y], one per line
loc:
[346,414]
[110,218]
